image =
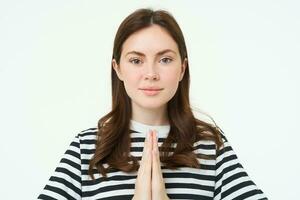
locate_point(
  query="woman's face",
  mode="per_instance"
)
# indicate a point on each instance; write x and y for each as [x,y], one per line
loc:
[150,59]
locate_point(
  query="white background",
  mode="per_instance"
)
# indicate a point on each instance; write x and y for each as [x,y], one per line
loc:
[55,82]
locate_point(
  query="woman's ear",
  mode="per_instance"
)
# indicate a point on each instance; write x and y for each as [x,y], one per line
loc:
[183,67]
[117,69]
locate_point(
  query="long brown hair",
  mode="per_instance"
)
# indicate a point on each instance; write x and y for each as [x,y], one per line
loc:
[113,141]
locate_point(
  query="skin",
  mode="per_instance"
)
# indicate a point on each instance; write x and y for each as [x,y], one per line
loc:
[151,69]
[147,68]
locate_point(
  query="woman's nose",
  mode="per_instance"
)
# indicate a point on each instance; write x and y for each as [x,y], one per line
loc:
[151,73]
[152,76]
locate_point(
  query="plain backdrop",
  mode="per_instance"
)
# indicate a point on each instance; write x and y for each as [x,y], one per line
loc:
[55,60]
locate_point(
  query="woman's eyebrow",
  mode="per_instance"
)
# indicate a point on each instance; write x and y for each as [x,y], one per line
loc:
[157,54]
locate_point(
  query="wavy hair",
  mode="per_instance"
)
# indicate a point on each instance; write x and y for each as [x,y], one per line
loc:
[113,137]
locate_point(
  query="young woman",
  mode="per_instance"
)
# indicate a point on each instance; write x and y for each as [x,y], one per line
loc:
[150,146]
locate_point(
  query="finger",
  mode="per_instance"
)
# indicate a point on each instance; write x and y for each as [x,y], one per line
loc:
[155,157]
[146,156]
[147,145]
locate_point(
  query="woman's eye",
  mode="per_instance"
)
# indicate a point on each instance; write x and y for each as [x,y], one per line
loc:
[135,61]
[166,60]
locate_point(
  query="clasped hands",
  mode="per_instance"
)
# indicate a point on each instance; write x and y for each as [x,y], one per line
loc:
[150,183]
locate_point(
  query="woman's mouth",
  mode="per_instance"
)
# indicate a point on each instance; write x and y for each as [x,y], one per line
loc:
[151,92]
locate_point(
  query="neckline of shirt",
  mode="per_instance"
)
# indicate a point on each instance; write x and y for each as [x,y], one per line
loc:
[162,130]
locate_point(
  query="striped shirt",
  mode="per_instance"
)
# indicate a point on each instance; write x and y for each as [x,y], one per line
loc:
[220,178]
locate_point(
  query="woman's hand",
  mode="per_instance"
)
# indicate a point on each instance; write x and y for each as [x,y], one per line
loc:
[143,182]
[158,184]
[150,184]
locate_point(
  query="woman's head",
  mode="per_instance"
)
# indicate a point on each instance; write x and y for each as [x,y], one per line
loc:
[157,58]
[149,51]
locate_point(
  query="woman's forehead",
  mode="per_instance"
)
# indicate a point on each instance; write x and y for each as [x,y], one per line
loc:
[150,41]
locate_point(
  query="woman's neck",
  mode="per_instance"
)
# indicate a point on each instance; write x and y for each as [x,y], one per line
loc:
[154,117]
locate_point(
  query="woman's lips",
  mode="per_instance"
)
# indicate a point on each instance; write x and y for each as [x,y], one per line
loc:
[151,92]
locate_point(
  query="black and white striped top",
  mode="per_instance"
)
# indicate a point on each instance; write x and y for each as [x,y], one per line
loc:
[222,178]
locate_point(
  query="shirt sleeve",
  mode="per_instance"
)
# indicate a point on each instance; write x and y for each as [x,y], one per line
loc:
[65,183]
[232,181]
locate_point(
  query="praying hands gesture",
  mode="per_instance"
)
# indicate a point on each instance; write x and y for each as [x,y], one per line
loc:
[150,183]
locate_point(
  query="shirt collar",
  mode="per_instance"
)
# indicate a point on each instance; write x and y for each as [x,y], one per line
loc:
[162,130]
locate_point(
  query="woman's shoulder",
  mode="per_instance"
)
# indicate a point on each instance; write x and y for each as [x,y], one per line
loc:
[210,140]
[84,143]
[88,135]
